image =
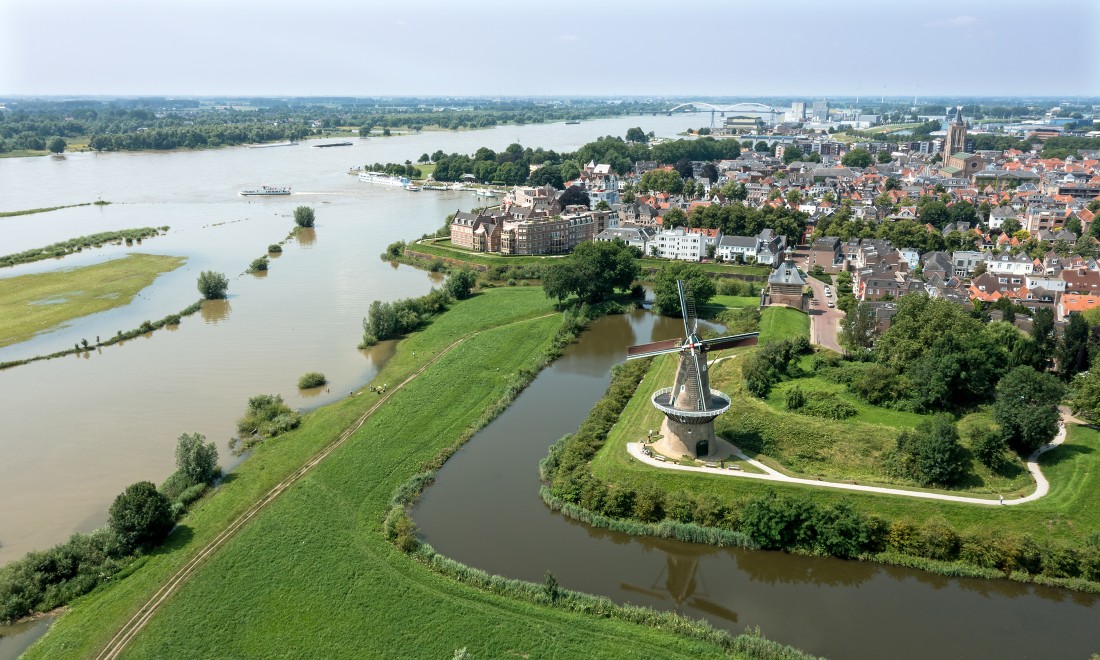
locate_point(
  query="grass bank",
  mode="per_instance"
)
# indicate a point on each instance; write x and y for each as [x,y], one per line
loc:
[80,243]
[316,556]
[31,304]
[11,214]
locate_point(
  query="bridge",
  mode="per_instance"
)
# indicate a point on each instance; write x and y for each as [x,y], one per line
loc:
[736,107]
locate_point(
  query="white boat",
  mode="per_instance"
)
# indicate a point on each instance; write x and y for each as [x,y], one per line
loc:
[412,188]
[273,144]
[485,193]
[267,190]
[385,179]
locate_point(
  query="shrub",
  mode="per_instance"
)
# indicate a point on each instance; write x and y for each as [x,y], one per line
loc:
[304,216]
[172,319]
[274,248]
[311,379]
[937,540]
[257,265]
[930,454]
[195,460]
[267,417]
[796,398]
[212,286]
[140,517]
[461,281]
[827,405]
[394,251]
[989,448]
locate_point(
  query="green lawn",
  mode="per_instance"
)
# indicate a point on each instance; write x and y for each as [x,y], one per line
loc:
[30,304]
[312,576]
[812,446]
[783,323]
[445,249]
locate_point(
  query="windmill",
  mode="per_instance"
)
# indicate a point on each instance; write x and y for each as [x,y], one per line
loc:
[690,405]
[683,581]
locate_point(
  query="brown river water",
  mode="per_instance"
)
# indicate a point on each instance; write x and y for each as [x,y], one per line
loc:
[75,431]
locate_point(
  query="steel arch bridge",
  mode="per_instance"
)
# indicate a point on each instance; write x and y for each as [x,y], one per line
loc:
[736,107]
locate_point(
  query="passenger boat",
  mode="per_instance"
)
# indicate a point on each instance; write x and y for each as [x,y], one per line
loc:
[385,179]
[267,190]
[332,144]
[412,188]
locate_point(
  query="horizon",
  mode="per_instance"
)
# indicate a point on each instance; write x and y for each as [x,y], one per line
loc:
[487,48]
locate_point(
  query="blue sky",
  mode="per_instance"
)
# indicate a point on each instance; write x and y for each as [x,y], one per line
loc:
[568,47]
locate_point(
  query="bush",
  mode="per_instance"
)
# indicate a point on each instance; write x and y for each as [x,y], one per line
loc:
[140,517]
[274,248]
[394,251]
[461,281]
[795,398]
[989,448]
[827,405]
[212,286]
[195,460]
[390,320]
[311,379]
[258,265]
[303,216]
[930,454]
[267,417]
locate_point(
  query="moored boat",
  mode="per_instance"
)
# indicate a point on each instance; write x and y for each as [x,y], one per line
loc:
[385,179]
[332,144]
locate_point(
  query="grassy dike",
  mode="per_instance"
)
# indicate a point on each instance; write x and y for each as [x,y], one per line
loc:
[312,575]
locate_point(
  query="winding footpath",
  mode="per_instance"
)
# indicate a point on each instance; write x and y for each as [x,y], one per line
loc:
[1042,486]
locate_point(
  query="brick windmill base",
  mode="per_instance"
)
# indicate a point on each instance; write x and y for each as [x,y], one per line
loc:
[682,439]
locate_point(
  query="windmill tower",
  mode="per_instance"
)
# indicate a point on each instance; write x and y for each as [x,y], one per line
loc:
[690,405]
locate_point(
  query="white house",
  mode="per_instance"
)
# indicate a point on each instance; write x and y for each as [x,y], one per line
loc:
[1007,264]
[638,237]
[678,244]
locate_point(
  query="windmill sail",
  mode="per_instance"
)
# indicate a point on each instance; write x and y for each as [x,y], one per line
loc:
[687,309]
[703,396]
[732,341]
[655,348]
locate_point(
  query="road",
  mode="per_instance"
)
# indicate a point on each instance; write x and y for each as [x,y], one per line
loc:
[824,320]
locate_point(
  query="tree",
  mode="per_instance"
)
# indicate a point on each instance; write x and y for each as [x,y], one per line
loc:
[56,145]
[303,216]
[709,172]
[674,217]
[761,147]
[547,175]
[857,158]
[593,271]
[140,517]
[459,283]
[791,154]
[1086,396]
[636,135]
[859,329]
[1027,408]
[196,460]
[662,181]
[884,157]
[666,297]
[930,454]
[424,158]
[1042,331]
[1072,353]
[574,195]
[212,285]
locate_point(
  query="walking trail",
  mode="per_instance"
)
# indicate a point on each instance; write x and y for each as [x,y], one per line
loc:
[1042,486]
[132,627]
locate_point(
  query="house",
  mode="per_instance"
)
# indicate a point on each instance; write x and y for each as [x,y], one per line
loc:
[938,264]
[478,232]
[732,248]
[825,252]
[1081,280]
[639,237]
[1008,264]
[678,244]
[1073,302]
[964,261]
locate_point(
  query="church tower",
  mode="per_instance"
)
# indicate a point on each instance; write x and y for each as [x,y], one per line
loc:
[956,136]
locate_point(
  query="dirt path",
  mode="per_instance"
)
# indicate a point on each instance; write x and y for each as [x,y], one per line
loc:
[134,626]
[1042,486]
[824,320]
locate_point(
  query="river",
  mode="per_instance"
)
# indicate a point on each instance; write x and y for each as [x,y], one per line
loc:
[75,431]
[484,510]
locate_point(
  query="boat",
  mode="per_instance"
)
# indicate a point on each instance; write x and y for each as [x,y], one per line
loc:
[412,188]
[572,121]
[273,144]
[481,192]
[435,187]
[268,190]
[384,179]
[332,144]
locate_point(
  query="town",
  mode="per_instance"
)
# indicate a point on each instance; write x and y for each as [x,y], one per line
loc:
[943,216]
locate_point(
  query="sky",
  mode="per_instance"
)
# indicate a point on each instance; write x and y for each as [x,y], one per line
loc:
[643,48]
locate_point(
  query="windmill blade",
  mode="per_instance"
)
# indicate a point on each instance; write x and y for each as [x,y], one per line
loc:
[704,393]
[642,590]
[684,312]
[655,348]
[711,607]
[732,341]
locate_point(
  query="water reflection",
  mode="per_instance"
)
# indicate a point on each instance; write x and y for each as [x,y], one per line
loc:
[436,278]
[312,392]
[306,236]
[214,311]
[680,581]
[259,274]
[17,637]
[380,352]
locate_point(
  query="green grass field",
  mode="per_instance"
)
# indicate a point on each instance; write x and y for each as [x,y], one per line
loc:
[312,576]
[783,322]
[848,450]
[30,304]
